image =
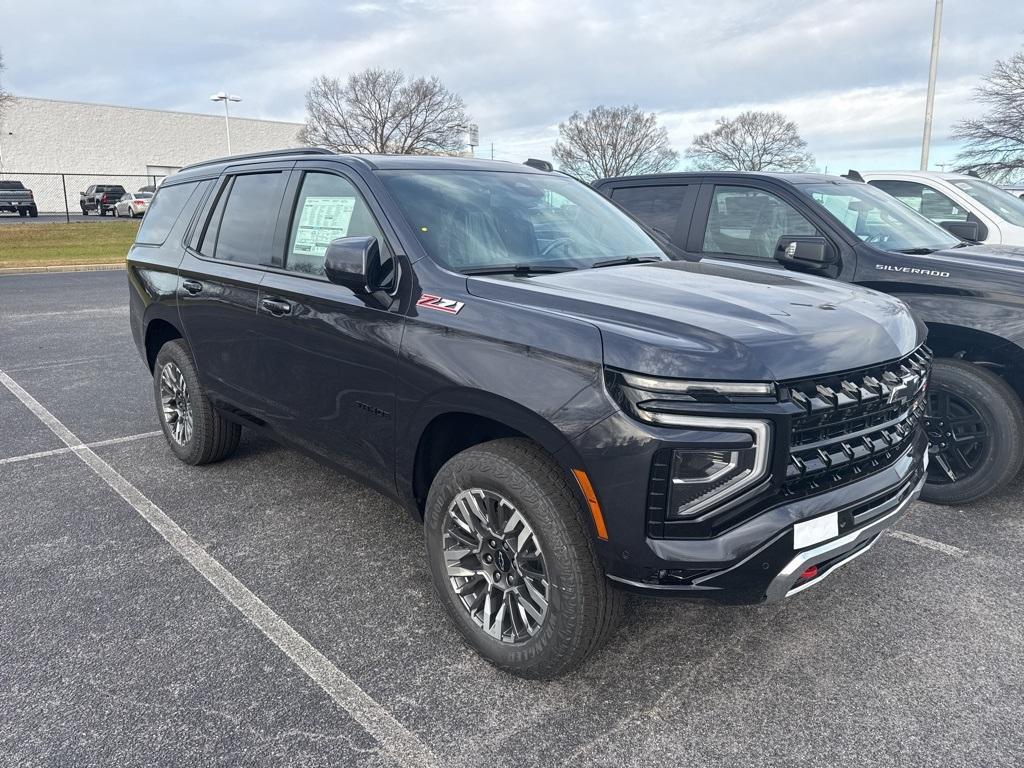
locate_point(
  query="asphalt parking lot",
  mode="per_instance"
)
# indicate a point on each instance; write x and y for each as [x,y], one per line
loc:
[268,611]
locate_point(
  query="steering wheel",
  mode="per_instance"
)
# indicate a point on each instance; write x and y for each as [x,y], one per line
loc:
[563,242]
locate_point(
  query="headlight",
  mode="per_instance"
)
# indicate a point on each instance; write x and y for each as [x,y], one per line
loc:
[702,479]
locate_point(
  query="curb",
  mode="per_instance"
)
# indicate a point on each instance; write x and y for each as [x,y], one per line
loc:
[63,268]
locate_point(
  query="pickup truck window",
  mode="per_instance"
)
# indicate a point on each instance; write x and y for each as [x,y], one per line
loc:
[879,219]
[927,201]
[749,222]
[11,185]
[481,219]
[1009,206]
[328,207]
[656,206]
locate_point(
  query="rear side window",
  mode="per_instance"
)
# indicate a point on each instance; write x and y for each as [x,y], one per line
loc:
[243,221]
[655,206]
[163,212]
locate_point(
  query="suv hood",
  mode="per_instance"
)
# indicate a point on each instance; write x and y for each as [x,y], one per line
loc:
[711,320]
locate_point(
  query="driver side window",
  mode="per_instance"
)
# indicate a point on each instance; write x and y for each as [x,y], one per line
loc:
[744,221]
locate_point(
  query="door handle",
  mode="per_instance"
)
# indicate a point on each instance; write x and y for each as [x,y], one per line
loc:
[192,286]
[276,307]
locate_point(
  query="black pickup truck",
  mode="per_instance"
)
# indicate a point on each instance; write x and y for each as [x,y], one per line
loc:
[970,296]
[15,198]
[568,411]
[100,198]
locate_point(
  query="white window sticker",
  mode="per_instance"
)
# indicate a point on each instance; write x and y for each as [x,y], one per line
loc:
[322,220]
[815,530]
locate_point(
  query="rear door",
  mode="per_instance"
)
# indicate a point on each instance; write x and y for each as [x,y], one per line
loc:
[221,273]
[327,357]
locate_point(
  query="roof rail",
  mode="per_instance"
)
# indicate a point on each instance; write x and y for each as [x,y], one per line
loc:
[853,175]
[268,153]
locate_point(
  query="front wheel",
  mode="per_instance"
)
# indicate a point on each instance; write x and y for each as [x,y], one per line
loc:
[975,430]
[195,431]
[510,558]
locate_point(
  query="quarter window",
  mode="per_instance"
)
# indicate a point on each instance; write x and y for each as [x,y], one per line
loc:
[163,212]
[656,206]
[749,222]
[329,207]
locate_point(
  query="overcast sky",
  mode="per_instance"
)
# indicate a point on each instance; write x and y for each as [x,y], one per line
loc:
[852,73]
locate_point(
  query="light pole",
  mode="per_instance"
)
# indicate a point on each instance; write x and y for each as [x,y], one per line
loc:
[226,97]
[930,101]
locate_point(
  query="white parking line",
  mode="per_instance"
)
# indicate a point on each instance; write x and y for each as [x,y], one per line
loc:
[111,311]
[65,449]
[393,737]
[921,541]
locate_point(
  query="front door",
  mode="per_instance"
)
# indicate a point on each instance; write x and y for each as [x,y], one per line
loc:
[327,357]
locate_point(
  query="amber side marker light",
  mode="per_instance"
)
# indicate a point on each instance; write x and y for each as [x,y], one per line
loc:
[591,497]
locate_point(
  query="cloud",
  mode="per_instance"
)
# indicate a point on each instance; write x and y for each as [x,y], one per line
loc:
[851,74]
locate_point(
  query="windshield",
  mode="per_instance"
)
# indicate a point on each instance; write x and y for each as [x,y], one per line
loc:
[469,220]
[879,219]
[997,200]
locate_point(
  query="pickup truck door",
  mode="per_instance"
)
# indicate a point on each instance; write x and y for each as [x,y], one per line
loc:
[327,358]
[221,271]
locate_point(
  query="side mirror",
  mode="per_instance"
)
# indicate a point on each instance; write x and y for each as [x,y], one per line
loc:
[974,231]
[807,253]
[347,262]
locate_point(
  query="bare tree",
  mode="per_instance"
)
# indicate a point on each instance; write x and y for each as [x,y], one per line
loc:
[751,141]
[994,143]
[379,110]
[613,141]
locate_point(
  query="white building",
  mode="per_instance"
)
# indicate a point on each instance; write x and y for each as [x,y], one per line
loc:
[101,143]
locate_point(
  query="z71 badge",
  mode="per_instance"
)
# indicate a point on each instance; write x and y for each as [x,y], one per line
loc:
[450,306]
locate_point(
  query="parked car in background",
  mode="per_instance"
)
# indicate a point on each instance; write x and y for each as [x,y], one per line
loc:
[970,296]
[968,207]
[133,204]
[566,409]
[100,198]
[1015,190]
[15,198]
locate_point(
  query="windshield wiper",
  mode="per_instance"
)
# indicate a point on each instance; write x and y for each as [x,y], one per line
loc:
[625,260]
[518,270]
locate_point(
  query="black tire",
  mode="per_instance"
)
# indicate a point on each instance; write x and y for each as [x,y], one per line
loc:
[23,212]
[85,211]
[117,215]
[583,608]
[213,438]
[99,210]
[965,401]
[33,212]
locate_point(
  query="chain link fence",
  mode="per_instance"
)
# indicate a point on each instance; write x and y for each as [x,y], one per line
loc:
[60,193]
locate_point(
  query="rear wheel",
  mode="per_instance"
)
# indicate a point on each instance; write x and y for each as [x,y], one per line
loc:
[33,212]
[975,430]
[511,560]
[85,211]
[196,432]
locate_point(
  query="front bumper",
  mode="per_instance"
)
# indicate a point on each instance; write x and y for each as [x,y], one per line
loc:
[754,559]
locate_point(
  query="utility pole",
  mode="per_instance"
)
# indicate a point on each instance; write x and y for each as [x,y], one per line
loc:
[933,67]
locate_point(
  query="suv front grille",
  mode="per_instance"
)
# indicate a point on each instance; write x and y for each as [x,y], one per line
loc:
[853,424]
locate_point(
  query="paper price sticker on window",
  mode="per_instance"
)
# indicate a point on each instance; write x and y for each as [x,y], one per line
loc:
[322,220]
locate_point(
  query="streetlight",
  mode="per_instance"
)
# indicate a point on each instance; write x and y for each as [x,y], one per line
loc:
[929,106]
[226,97]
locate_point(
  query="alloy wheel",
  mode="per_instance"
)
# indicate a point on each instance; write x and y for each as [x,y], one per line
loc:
[495,565]
[957,435]
[175,403]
